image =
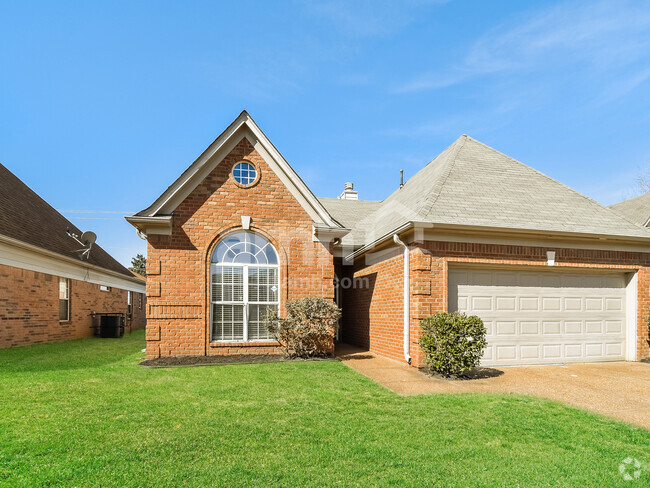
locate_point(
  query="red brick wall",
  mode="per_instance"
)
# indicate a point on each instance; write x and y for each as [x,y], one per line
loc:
[29,307]
[178,265]
[138,319]
[373,304]
[373,316]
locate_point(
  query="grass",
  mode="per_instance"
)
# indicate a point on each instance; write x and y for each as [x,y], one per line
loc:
[85,414]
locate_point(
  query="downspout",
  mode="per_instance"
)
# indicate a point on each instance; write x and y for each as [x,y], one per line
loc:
[407,299]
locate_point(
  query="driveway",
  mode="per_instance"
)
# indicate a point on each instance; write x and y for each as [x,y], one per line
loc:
[619,390]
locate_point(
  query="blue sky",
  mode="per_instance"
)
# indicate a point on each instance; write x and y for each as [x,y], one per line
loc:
[104,104]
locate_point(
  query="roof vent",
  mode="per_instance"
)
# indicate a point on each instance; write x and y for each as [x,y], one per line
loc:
[349,193]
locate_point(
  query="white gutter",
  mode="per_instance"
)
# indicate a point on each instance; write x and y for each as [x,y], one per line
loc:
[407,299]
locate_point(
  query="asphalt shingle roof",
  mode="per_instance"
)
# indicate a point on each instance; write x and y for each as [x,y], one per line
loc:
[26,217]
[472,184]
[636,210]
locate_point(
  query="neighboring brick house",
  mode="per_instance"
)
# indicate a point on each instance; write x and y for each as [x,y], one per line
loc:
[555,276]
[47,291]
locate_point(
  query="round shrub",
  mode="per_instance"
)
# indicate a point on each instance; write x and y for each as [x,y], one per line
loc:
[452,342]
[308,328]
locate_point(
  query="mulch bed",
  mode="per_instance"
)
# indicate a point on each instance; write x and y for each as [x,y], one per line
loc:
[212,360]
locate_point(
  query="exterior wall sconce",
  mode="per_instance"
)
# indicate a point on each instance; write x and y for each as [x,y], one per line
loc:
[550,256]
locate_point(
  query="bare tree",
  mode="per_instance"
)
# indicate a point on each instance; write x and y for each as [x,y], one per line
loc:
[643,180]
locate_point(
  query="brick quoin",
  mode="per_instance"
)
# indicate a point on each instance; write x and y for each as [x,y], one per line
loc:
[373,315]
[178,309]
[29,308]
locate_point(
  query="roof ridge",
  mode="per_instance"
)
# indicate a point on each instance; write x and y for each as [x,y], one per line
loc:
[590,200]
[437,190]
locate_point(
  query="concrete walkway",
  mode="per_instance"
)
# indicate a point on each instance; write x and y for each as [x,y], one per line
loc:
[618,390]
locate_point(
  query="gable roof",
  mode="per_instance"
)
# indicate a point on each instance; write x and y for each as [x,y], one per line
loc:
[26,217]
[636,210]
[242,126]
[471,184]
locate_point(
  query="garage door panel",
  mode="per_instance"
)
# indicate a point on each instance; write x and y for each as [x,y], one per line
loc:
[573,304]
[481,304]
[506,303]
[530,352]
[528,328]
[506,328]
[506,353]
[593,304]
[573,351]
[596,350]
[552,304]
[529,304]
[594,326]
[551,328]
[613,304]
[537,318]
[572,327]
[613,349]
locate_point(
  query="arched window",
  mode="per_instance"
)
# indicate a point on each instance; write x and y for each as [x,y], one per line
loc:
[244,285]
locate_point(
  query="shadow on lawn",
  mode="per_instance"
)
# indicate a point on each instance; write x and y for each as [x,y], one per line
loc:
[76,354]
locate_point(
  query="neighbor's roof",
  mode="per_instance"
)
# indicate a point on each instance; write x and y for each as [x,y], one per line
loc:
[471,184]
[635,210]
[28,218]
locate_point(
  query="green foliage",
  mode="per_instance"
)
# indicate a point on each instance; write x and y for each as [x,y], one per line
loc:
[139,265]
[453,342]
[308,328]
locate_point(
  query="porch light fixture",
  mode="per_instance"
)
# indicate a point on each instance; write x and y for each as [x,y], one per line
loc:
[550,257]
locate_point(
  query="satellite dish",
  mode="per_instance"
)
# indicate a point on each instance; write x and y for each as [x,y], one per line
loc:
[88,238]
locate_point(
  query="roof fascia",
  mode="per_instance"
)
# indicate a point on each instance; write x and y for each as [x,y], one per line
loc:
[557,236]
[579,236]
[160,224]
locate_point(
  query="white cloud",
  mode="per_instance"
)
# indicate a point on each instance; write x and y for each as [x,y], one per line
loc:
[370,18]
[608,38]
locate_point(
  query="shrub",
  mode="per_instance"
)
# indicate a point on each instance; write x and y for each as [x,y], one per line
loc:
[308,328]
[453,342]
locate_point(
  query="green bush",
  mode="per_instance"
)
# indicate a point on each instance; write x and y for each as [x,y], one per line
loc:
[453,342]
[308,328]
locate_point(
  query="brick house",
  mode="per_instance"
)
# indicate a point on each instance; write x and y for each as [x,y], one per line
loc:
[47,290]
[555,276]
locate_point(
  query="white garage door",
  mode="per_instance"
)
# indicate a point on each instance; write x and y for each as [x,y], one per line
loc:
[544,317]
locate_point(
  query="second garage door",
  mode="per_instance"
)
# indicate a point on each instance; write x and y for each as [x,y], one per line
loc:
[544,317]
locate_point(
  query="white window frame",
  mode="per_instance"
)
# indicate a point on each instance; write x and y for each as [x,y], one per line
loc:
[245,302]
[67,298]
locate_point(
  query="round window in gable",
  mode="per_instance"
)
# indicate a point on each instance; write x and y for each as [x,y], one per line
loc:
[245,173]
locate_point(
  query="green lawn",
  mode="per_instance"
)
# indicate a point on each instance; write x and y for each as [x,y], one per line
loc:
[84,414]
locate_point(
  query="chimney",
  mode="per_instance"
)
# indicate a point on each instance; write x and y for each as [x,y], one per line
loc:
[349,193]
